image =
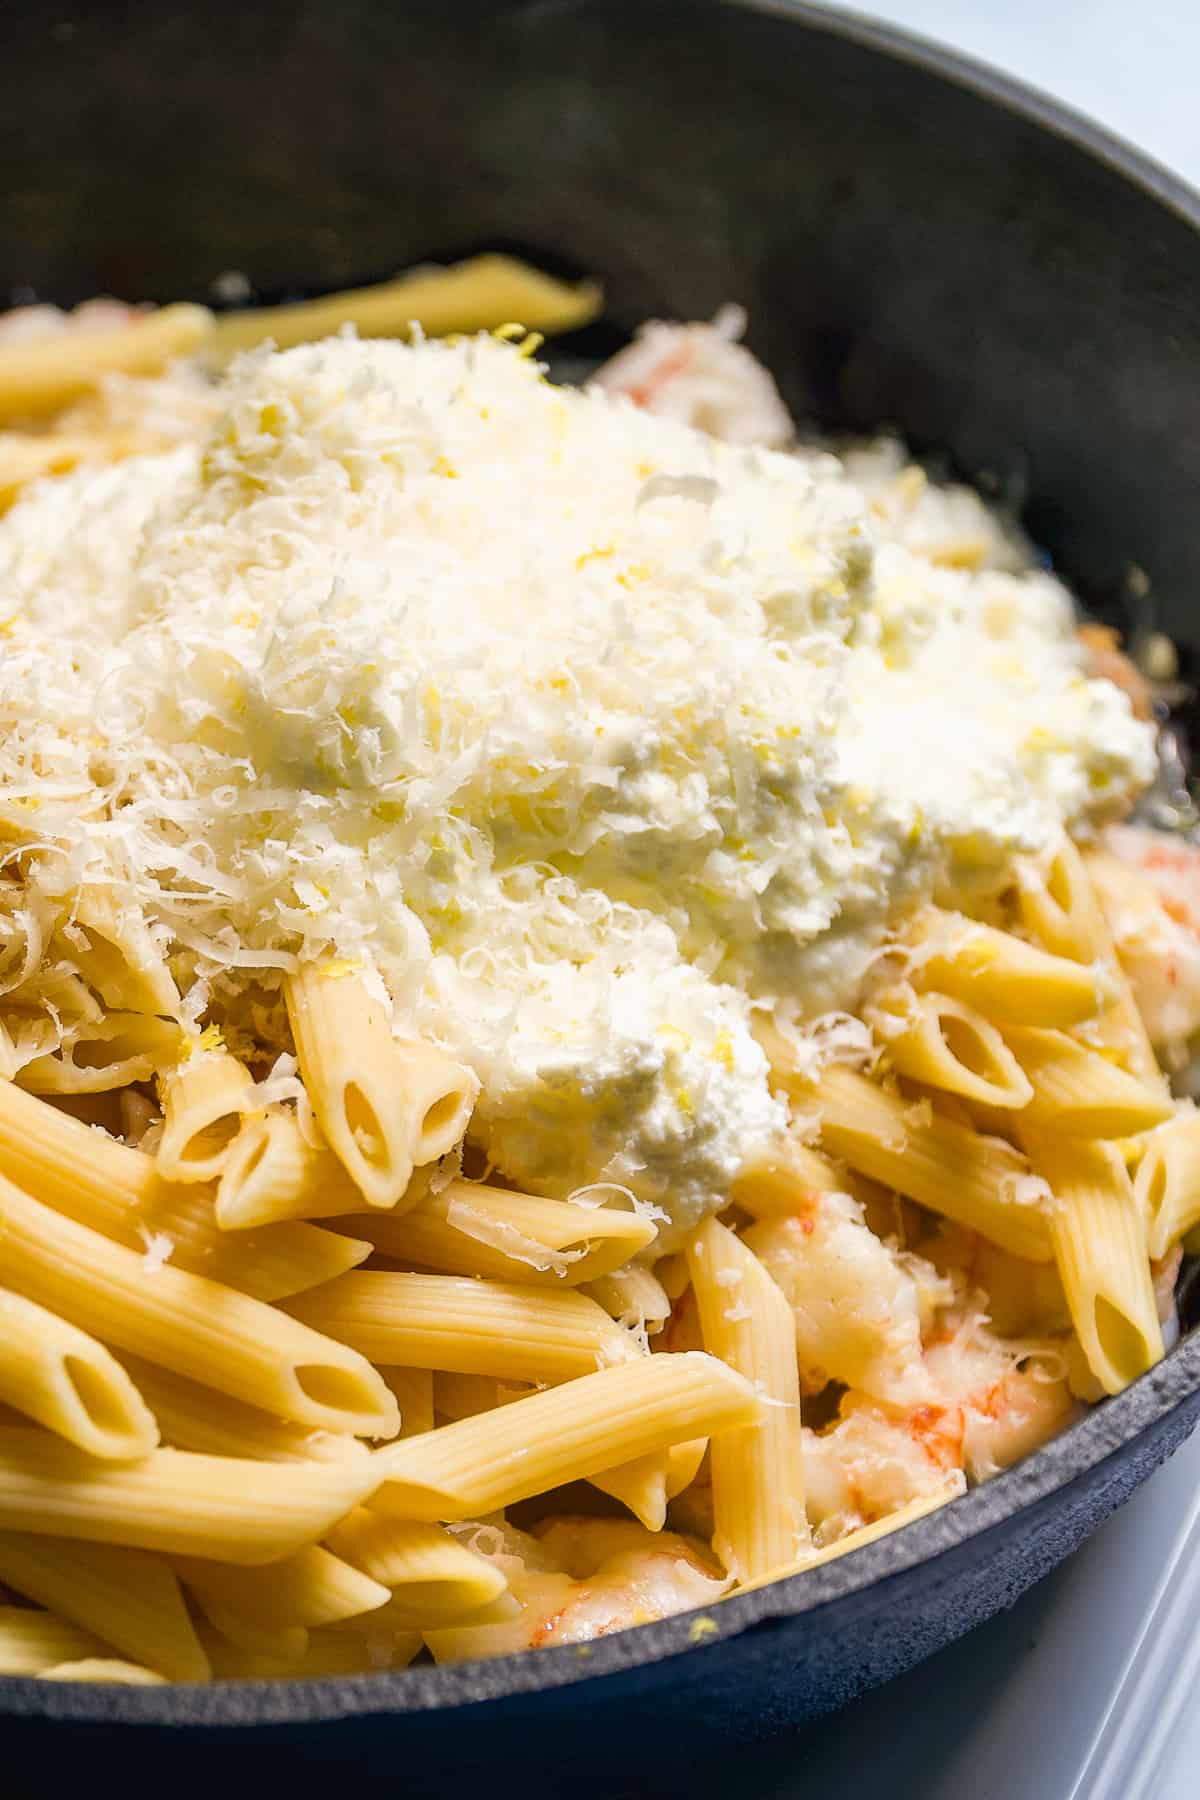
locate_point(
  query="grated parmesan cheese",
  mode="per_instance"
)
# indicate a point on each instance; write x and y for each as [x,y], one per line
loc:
[583,732]
[159,1246]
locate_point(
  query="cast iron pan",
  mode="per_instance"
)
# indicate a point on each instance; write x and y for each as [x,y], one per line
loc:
[917,241]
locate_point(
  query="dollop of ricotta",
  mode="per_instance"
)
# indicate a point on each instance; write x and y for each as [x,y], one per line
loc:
[585,733]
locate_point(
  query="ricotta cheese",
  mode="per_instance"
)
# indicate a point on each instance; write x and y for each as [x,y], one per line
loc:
[585,733]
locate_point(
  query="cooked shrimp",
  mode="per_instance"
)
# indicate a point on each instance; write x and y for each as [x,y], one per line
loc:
[1020,1299]
[993,1406]
[701,376]
[606,1575]
[857,1307]
[1149,886]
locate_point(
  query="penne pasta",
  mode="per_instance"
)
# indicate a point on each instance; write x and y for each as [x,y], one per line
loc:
[634,1296]
[194,1417]
[41,377]
[272,1173]
[458,1396]
[946,1044]
[434,1579]
[478,1465]
[312,1587]
[640,1486]
[757,1472]
[58,1375]
[976,1181]
[99,1183]
[226,1508]
[282,1643]
[412,1390]
[104,1668]
[385,1107]
[32,1641]
[469,1228]
[188,1324]
[119,958]
[1078,1091]
[1167,1183]
[1100,1248]
[129,1599]
[477,295]
[203,1100]
[466,1327]
[1059,907]
[684,1462]
[97,1056]
[1009,981]
[331,1652]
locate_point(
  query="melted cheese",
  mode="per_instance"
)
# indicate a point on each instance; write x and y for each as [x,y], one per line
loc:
[583,731]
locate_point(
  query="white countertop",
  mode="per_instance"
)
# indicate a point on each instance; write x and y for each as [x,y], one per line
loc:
[1132,67]
[1025,1707]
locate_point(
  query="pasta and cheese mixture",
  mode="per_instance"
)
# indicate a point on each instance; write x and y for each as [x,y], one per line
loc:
[582,1024]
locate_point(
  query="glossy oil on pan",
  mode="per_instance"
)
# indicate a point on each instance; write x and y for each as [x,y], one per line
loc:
[918,243]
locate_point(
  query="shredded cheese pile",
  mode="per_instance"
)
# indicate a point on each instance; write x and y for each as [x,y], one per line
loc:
[584,733]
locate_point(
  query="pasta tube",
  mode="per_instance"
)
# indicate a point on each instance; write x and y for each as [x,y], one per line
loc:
[1100,1247]
[640,1485]
[1009,981]
[104,1668]
[477,295]
[1078,1091]
[188,1324]
[97,1056]
[634,1296]
[272,1173]
[1060,908]
[313,1587]
[203,1100]
[479,1465]
[31,1640]
[121,960]
[385,1107]
[216,1506]
[64,1379]
[433,1577]
[468,1228]
[129,1599]
[948,1045]
[117,1191]
[1167,1184]
[332,1652]
[194,1417]
[976,1181]
[466,1327]
[757,1472]
[42,377]
[413,1393]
